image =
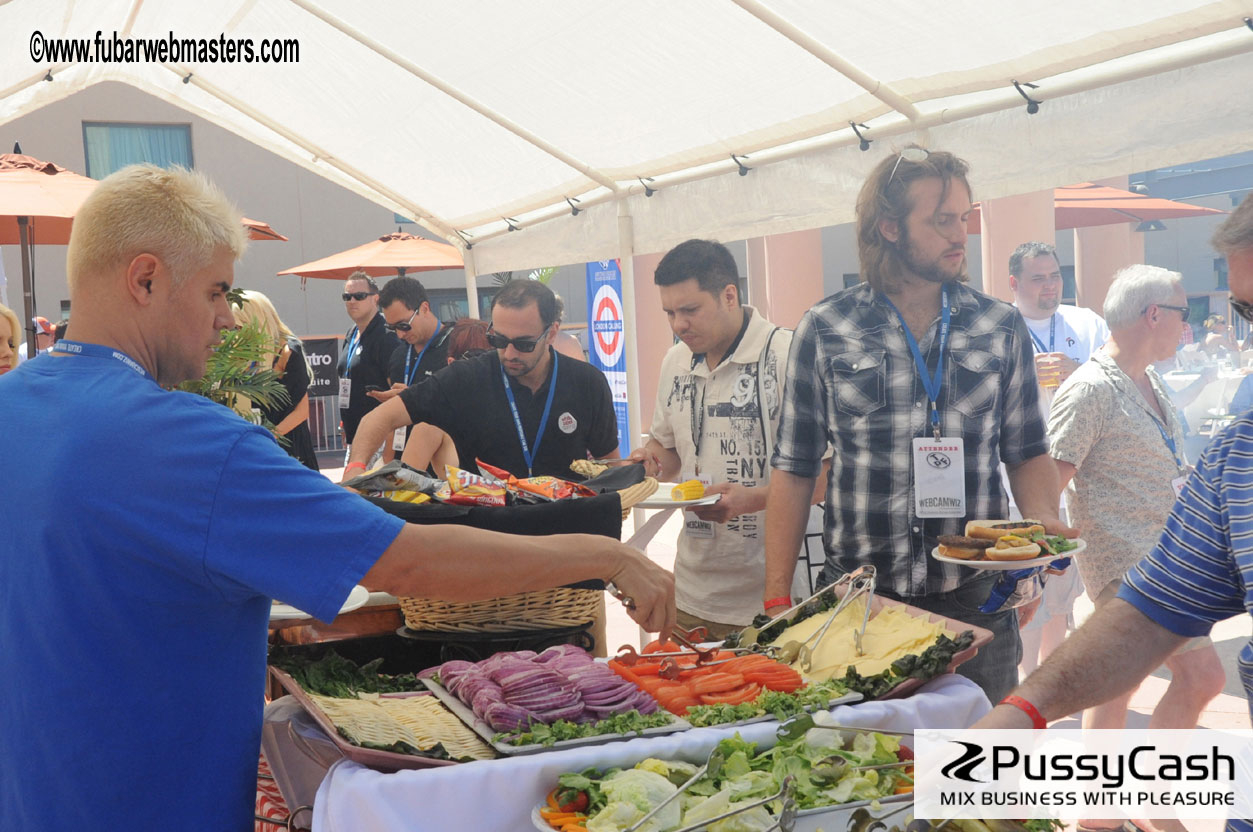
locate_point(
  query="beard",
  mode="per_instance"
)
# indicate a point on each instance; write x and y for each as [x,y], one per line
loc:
[933,270]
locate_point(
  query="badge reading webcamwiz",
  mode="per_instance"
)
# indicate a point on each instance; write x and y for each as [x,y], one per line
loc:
[939,477]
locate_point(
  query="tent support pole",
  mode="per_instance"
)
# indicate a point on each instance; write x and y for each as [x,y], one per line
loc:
[472,286]
[626,264]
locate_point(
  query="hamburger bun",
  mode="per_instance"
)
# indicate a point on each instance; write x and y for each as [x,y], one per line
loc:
[962,547]
[1013,547]
[993,529]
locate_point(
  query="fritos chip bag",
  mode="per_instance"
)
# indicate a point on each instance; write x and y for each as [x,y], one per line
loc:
[467,489]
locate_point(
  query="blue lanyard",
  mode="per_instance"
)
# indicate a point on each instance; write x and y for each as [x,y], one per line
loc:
[529,454]
[98,351]
[409,354]
[353,345]
[1170,443]
[931,383]
[1039,345]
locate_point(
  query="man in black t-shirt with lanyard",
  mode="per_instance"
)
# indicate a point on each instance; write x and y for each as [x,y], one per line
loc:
[521,407]
[423,347]
[363,361]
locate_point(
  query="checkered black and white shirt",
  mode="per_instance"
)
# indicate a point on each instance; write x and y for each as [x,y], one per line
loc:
[852,383]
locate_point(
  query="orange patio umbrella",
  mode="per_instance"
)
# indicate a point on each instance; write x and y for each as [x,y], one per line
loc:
[258,230]
[391,254]
[38,201]
[1086,205]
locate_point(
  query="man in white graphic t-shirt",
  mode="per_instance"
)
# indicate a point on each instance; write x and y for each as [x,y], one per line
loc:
[1064,337]
[715,419]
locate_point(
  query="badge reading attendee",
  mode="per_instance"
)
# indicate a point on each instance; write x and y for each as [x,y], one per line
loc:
[1177,483]
[398,440]
[939,477]
[345,392]
[694,527]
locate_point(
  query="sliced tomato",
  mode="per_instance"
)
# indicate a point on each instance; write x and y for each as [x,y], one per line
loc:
[646,668]
[714,682]
[624,671]
[679,704]
[905,753]
[735,696]
[655,646]
[654,684]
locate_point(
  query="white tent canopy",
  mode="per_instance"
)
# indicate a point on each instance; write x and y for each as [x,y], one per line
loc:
[526,111]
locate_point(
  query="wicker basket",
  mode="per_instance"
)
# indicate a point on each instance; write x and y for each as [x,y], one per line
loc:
[542,610]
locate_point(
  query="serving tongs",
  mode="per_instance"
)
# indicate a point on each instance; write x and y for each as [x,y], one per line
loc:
[713,765]
[748,635]
[860,583]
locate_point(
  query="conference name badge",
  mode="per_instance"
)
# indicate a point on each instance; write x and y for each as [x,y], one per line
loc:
[345,392]
[939,477]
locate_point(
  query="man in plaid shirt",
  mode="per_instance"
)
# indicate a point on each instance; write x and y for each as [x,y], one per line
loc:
[854,382]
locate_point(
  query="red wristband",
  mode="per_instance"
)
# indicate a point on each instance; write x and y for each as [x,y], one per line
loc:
[1037,719]
[781,601]
[352,465]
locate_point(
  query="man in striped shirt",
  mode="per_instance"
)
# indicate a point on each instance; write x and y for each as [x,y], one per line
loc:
[879,370]
[1201,571]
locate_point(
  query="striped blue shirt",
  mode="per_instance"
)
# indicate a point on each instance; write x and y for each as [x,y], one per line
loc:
[1201,571]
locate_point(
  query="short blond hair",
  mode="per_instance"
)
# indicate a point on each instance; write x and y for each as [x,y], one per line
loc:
[15,340]
[175,214]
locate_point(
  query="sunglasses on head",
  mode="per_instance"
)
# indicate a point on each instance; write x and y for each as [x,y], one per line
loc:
[1242,308]
[913,154]
[402,326]
[500,342]
[347,296]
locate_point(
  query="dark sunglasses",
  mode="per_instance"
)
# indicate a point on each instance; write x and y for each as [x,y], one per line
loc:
[403,326]
[347,296]
[1242,307]
[1182,310]
[500,342]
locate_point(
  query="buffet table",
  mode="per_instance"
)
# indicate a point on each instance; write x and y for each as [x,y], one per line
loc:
[1213,400]
[499,794]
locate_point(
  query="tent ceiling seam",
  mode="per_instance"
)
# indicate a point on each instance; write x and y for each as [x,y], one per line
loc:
[828,56]
[436,224]
[462,98]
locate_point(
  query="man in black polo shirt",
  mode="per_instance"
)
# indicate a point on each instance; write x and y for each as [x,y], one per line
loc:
[363,362]
[521,407]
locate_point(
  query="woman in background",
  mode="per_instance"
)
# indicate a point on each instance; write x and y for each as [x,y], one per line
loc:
[287,359]
[10,338]
[429,448]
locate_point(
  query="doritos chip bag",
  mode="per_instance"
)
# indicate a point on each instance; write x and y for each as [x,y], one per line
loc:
[552,488]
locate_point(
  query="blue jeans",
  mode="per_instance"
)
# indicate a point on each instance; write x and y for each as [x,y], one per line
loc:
[995,667]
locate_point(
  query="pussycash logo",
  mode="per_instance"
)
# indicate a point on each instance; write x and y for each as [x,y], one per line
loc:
[1112,771]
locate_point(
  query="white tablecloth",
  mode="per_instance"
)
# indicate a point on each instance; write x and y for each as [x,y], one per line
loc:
[499,794]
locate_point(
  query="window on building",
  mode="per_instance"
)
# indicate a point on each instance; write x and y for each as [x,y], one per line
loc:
[851,279]
[451,304]
[1220,272]
[402,220]
[111,147]
[1070,293]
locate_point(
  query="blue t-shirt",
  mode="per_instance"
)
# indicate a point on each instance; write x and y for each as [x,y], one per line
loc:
[142,536]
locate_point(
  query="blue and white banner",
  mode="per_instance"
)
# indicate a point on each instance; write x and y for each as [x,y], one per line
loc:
[606,338]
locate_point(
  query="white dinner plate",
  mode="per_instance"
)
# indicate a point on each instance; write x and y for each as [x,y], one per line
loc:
[1006,565]
[661,499]
[286,612]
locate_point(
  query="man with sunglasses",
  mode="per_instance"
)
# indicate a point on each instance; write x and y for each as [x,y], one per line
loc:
[521,407]
[363,360]
[1198,574]
[921,387]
